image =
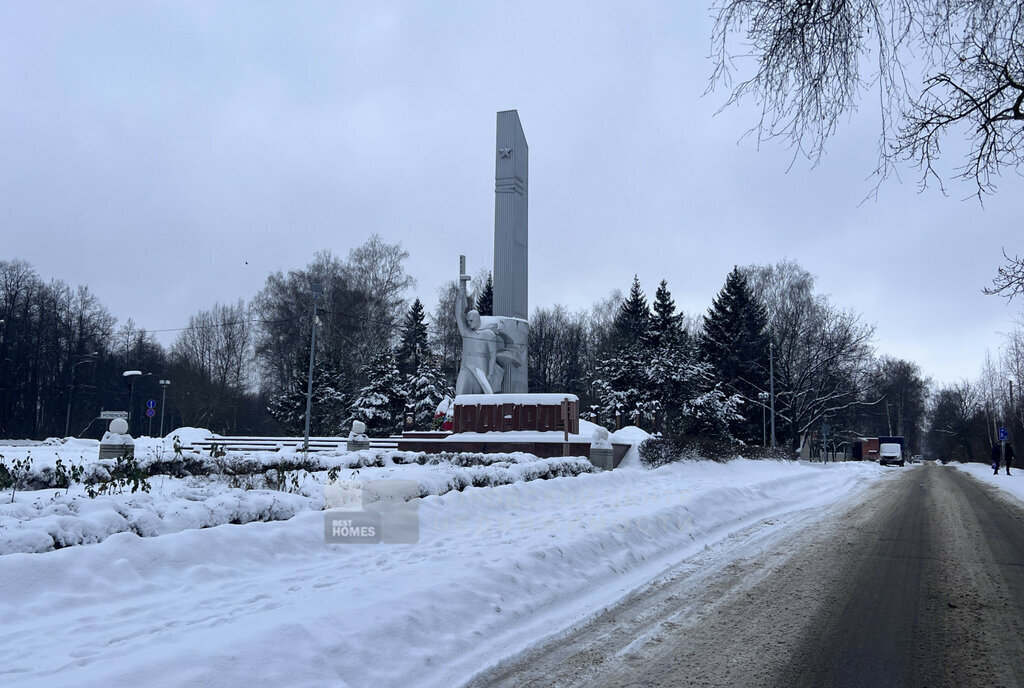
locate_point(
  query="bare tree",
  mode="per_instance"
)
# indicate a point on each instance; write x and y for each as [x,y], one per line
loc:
[821,353]
[953,423]
[1012,374]
[988,389]
[379,268]
[902,393]
[1009,279]
[354,324]
[559,354]
[939,67]
[214,358]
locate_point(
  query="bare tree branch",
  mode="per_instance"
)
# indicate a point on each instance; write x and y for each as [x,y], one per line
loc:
[815,58]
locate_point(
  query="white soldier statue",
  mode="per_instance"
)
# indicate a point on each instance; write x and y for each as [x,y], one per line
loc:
[485,350]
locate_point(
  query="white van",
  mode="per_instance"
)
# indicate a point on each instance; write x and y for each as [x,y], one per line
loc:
[890,453]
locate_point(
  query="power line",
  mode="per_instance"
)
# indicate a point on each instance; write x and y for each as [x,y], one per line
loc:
[227,324]
[275,322]
[360,317]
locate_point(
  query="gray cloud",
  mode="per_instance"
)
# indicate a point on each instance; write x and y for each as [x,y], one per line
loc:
[152,150]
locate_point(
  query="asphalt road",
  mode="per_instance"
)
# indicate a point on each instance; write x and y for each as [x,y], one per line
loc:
[920,583]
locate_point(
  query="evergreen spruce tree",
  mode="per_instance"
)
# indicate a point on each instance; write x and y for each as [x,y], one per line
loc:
[381,403]
[329,403]
[652,372]
[288,407]
[632,324]
[485,302]
[666,325]
[735,343]
[413,345]
[622,384]
[427,389]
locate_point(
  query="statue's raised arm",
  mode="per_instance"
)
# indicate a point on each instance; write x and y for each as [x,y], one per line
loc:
[460,307]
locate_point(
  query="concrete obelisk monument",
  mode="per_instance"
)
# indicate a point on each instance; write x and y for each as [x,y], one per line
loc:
[491,390]
[511,243]
[494,355]
[511,213]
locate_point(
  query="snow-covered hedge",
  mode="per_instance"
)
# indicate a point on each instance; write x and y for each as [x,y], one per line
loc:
[41,522]
[43,474]
[657,451]
[239,488]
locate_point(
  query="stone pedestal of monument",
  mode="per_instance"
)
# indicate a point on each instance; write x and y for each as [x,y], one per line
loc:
[517,413]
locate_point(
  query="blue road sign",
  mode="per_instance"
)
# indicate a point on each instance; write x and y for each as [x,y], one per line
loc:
[151,404]
[150,412]
[1003,435]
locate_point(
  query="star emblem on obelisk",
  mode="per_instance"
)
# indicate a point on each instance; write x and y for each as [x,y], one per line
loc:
[505,152]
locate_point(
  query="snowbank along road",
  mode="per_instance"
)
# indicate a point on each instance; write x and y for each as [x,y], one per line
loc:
[917,582]
[496,571]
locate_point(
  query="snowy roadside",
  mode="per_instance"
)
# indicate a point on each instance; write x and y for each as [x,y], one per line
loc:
[495,571]
[1012,484]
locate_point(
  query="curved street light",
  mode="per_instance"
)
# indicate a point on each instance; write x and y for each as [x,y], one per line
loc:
[129,377]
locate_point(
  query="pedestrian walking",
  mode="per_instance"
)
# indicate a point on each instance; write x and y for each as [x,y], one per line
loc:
[996,451]
[1008,457]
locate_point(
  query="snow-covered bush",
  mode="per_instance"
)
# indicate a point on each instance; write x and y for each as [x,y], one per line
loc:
[658,451]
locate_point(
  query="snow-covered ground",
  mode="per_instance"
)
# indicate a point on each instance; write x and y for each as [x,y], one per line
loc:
[1012,484]
[495,570]
[238,488]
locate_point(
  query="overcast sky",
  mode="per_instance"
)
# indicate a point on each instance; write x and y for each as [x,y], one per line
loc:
[171,155]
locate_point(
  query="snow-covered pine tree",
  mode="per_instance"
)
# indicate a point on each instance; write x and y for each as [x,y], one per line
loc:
[734,341]
[666,325]
[381,403]
[623,388]
[413,345]
[427,388]
[653,372]
[622,383]
[329,402]
[288,407]
[632,323]
[485,302]
[670,379]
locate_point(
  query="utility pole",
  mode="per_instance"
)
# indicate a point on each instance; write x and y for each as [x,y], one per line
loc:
[317,289]
[771,377]
[86,358]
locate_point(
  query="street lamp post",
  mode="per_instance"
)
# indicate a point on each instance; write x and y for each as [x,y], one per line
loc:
[1013,411]
[317,289]
[164,384]
[86,358]
[771,378]
[130,376]
[763,397]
